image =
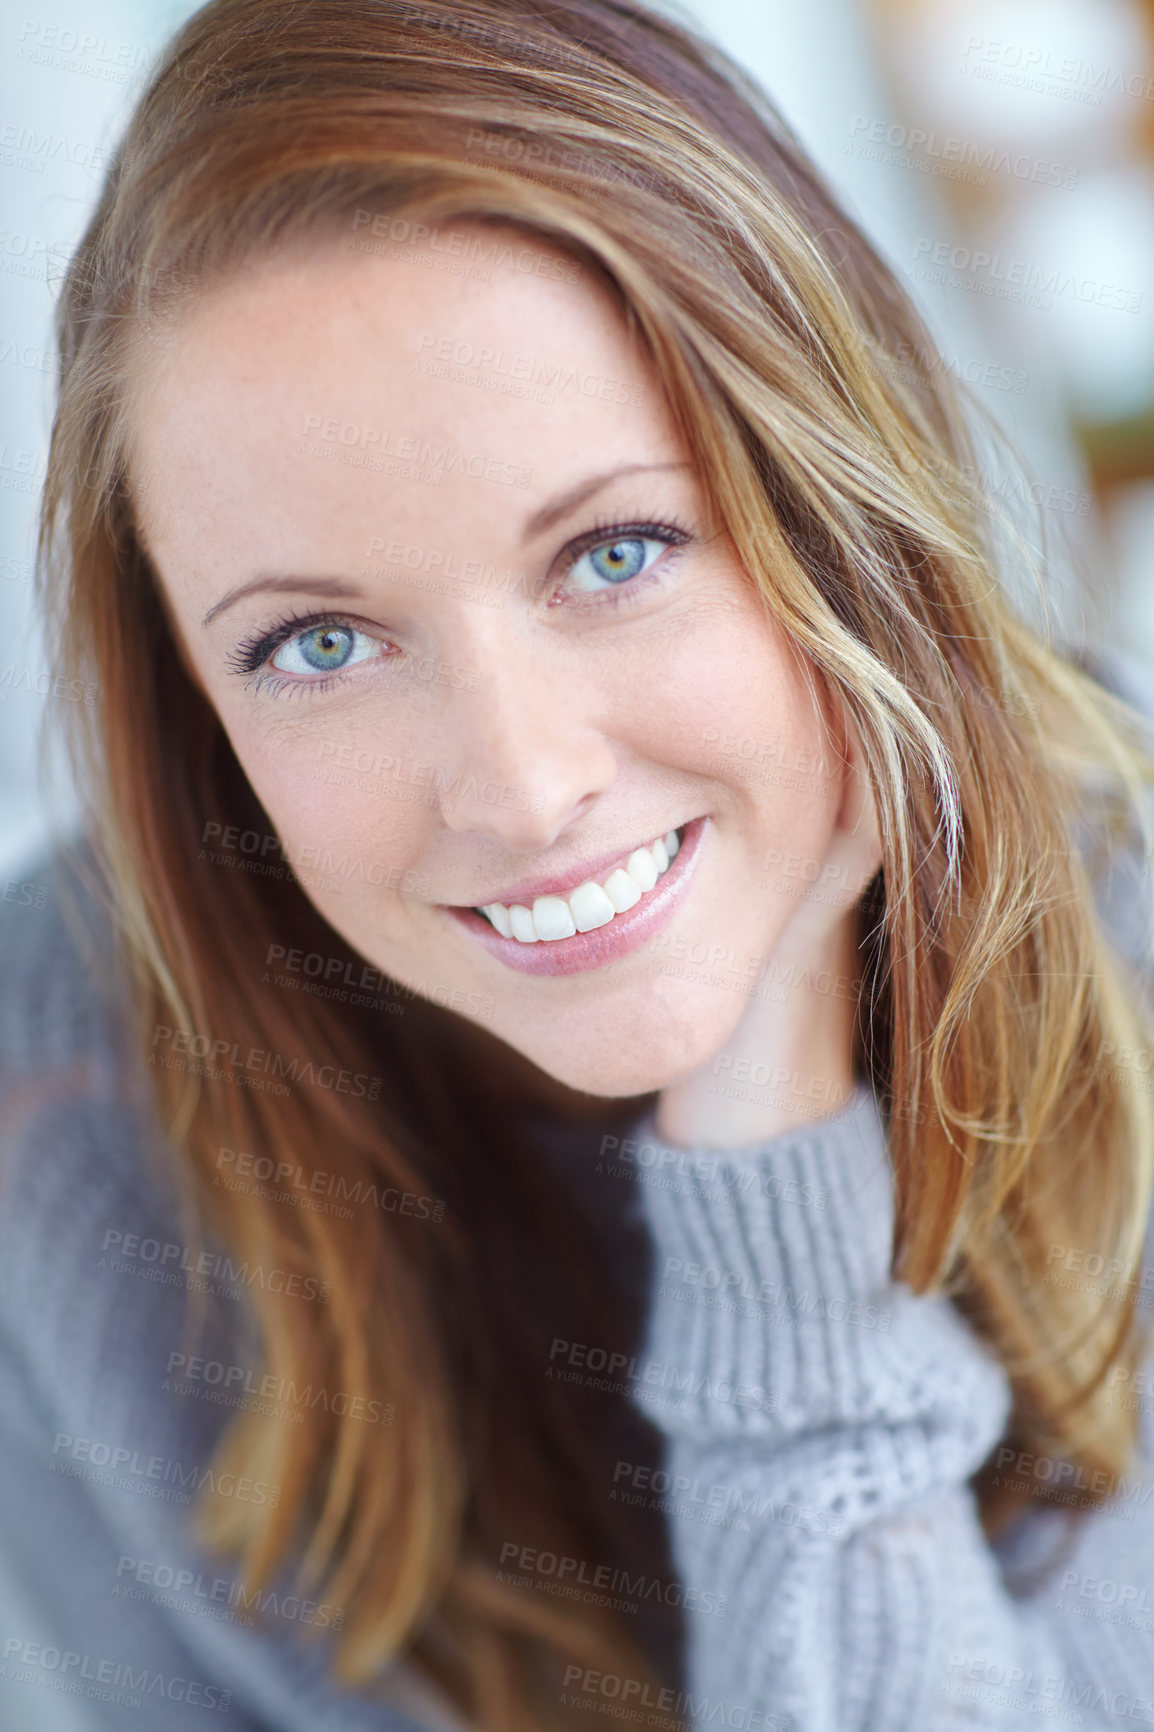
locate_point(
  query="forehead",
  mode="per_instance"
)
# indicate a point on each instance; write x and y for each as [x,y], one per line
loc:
[309,405]
[525,347]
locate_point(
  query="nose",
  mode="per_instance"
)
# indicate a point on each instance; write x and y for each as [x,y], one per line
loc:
[523,756]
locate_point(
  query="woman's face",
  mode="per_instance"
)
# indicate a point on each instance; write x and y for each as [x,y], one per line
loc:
[438,558]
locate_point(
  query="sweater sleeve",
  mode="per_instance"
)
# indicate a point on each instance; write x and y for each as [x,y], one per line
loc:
[825,1426]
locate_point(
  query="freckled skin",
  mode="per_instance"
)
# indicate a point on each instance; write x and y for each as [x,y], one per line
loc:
[595,718]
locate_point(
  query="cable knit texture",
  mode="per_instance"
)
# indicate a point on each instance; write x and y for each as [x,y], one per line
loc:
[819,1462]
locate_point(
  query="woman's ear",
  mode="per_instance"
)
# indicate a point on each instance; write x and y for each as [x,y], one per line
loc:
[858,835]
[859,816]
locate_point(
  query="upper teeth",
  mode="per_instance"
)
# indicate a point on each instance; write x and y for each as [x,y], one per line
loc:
[590,905]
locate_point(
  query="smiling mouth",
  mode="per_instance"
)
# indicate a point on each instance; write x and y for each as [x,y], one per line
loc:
[592,904]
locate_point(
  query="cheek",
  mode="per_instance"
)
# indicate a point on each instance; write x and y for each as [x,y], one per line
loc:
[793,781]
[351,819]
[738,709]
[794,830]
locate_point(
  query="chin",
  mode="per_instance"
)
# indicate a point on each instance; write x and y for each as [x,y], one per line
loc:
[614,1067]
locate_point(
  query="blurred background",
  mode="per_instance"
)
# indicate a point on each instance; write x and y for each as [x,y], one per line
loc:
[1000,153]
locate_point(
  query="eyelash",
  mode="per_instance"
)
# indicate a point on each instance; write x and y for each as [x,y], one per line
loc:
[252,654]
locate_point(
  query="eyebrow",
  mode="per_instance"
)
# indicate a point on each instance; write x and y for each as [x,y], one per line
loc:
[330,586]
[540,521]
[552,513]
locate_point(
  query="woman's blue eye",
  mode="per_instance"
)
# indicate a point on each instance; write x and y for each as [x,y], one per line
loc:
[615,562]
[323,649]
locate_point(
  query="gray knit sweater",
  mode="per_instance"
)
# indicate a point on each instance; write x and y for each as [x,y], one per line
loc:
[820,1425]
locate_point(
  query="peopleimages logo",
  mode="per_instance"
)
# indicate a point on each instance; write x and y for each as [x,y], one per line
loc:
[330,432]
[579,1573]
[181,1588]
[66,1670]
[629,1696]
[646,1379]
[221,1057]
[457,358]
[1029,67]
[283,1174]
[154,1476]
[720,1505]
[953,157]
[1017,279]
[1067,1482]
[484,250]
[173,1263]
[239,1381]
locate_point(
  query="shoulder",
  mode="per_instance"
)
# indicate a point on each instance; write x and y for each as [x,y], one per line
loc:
[62,993]
[66,1059]
[83,1167]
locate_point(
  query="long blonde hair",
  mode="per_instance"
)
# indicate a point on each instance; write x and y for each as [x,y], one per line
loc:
[992,998]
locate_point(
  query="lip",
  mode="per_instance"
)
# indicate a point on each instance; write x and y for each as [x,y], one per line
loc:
[604,944]
[527,890]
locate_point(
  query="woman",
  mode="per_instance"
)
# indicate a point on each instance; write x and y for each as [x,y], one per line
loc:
[569,1171]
